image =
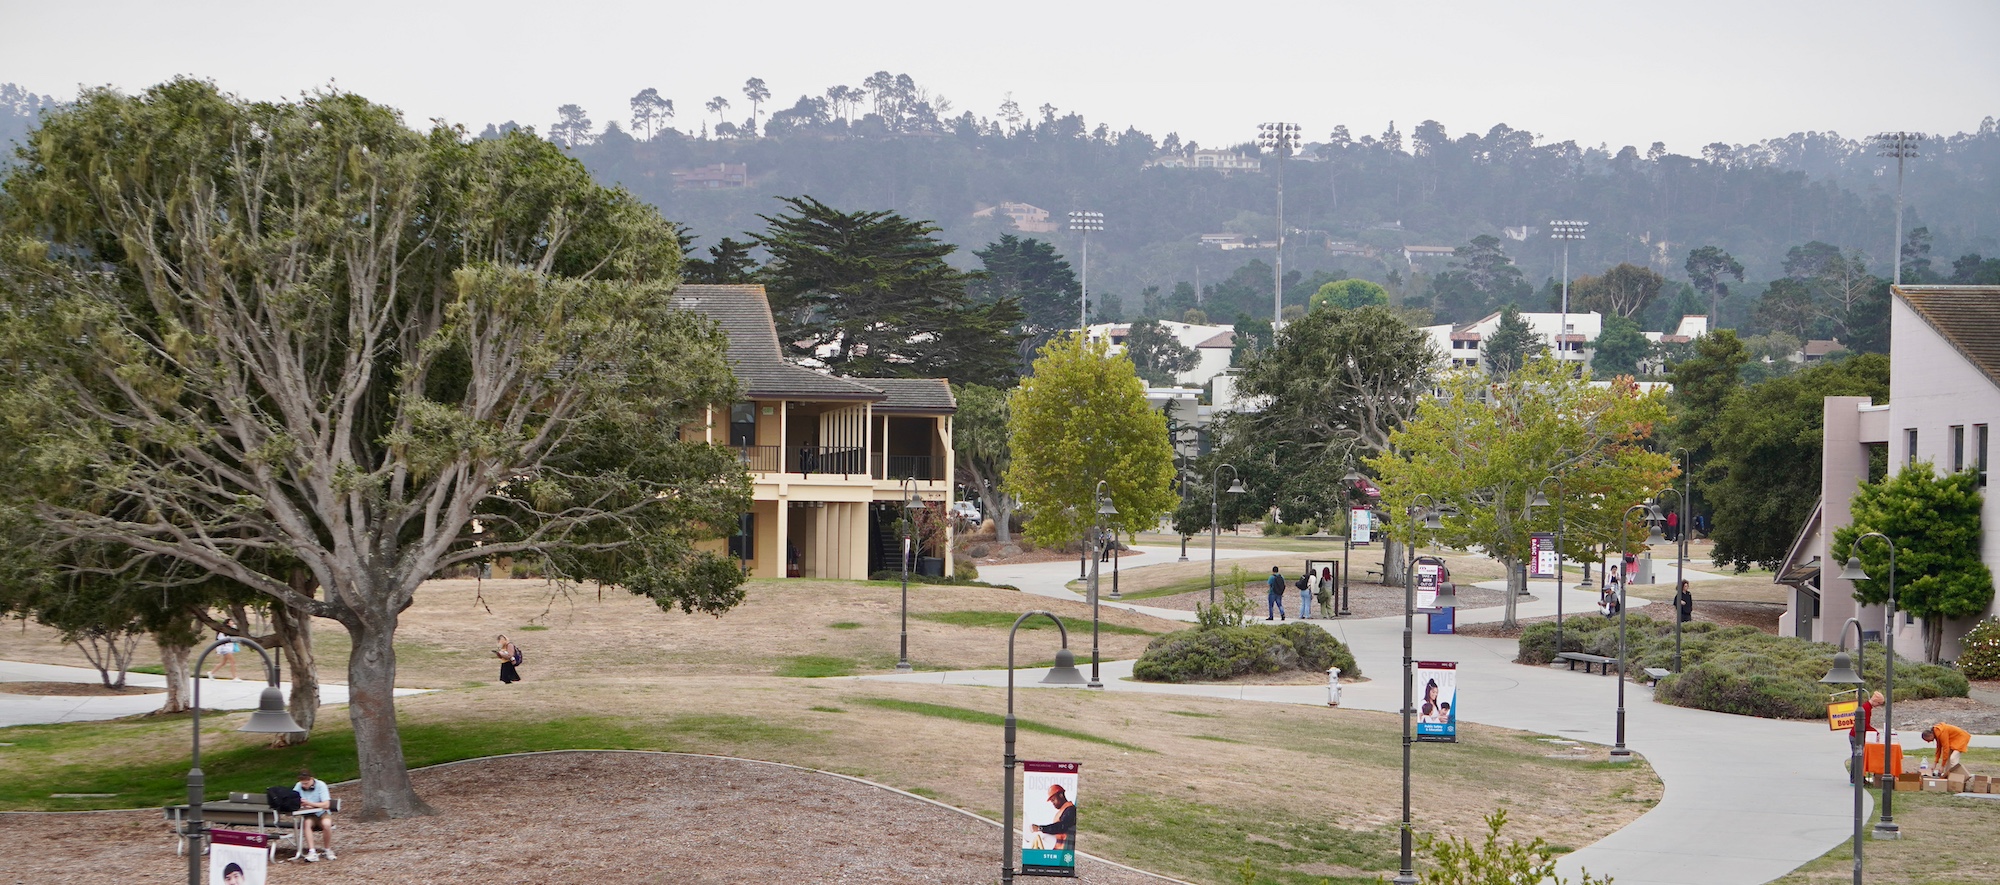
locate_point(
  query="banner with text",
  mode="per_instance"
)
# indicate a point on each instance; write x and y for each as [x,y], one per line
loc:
[1437,701]
[236,857]
[1542,560]
[1048,812]
[1428,574]
[1360,522]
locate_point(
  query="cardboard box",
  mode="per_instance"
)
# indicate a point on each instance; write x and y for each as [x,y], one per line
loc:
[1935,785]
[1909,782]
[1980,784]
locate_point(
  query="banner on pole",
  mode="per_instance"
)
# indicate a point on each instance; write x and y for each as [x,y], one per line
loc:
[1542,559]
[1840,709]
[1048,813]
[1360,523]
[237,858]
[1437,701]
[1427,583]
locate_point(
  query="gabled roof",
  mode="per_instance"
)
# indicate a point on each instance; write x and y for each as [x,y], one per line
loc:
[1220,339]
[925,395]
[1967,316]
[754,355]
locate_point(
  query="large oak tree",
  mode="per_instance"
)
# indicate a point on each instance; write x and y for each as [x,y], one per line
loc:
[259,338]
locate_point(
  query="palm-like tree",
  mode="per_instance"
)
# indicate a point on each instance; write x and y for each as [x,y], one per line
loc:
[754,90]
[716,106]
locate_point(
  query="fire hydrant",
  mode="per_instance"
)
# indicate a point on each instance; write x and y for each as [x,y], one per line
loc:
[1333,686]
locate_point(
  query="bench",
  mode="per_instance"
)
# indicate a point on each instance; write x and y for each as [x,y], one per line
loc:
[1658,673]
[1588,661]
[241,810]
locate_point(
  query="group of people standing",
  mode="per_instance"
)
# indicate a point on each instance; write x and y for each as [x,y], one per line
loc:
[1309,585]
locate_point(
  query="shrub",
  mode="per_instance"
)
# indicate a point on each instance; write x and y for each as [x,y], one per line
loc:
[1207,655]
[1231,608]
[1732,669]
[963,570]
[1979,651]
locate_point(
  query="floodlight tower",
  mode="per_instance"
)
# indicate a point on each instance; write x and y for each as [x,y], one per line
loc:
[1902,146]
[1281,139]
[1565,231]
[1085,223]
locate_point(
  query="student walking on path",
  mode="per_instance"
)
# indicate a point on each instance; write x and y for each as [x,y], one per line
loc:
[1308,588]
[1274,599]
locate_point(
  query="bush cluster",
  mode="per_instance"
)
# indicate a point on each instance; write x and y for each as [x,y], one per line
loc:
[1979,651]
[1209,655]
[1733,669]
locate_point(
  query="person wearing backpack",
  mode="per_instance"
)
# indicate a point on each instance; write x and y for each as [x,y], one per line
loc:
[1274,598]
[510,658]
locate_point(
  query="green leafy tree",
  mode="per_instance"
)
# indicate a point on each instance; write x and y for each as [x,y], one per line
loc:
[1767,447]
[1934,522]
[754,90]
[1156,354]
[1838,284]
[1252,336]
[1512,345]
[1710,269]
[313,330]
[979,436]
[650,112]
[1787,307]
[1622,291]
[1029,272]
[1620,347]
[1080,418]
[1480,279]
[870,293]
[1350,294]
[1483,447]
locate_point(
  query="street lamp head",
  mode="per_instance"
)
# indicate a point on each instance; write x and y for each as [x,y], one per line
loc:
[1432,520]
[1447,598]
[1064,672]
[1539,500]
[915,503]
[1237,488]
[271,717]
[1842,672]
[1853,571]
[1104,507]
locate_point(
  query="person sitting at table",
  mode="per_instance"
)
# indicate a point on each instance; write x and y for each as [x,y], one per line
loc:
[315,813]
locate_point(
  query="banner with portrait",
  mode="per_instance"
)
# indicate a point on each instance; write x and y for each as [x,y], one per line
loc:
[1437,701]
[1048,816]
[237,858]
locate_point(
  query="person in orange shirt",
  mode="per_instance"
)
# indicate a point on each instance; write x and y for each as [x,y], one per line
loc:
[1952,742]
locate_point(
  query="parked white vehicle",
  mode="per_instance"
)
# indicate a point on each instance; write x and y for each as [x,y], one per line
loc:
[969,510]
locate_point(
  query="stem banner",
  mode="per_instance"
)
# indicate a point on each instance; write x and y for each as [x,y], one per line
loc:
[1048,812]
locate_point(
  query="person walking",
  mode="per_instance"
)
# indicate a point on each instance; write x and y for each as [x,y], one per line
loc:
[1308,588]
[225,654]
[1673,526]
[509,657]
[1274,597]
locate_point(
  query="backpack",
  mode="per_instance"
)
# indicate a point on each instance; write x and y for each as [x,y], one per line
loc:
[517,655]
[283,800]
[1301,583]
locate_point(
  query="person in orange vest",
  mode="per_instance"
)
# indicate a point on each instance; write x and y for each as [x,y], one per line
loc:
[1952,742]
[1063,828]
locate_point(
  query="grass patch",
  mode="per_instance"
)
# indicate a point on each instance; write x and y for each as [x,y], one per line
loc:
[1075,626]
[531,628]
[816,667]
[1194,714]
[1185,585]
[920,791]
[1945,839]
[243,763]
[981,717]
[151,669]
[1206,842]
[826,709]
[844,625]
[1216,738]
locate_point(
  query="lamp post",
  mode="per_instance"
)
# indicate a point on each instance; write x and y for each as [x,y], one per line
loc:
[911,506]
[1348,483]
[1680,546]
[743,522]
[1902,146]
[1085,223]
[1541,500]
[1843,674]
[1063,673]
[1886,827]
[1565,231]
[1619,752]
[1214,520]
[1281,139]
[1104,509]
[270,718]
[1408,874]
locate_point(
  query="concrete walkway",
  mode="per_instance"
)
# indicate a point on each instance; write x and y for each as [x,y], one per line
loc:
[1746,800]
[16,709]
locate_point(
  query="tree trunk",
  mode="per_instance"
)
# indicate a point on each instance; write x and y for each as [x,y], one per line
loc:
[1392,561]
[1933,638]
[180,688]
[292,629]
[386,791]
[1515,585]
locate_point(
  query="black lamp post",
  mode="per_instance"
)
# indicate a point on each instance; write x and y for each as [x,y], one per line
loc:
[1619,752]
[1104,509]
[1886,827]
[1408,874]
[1680,554]
[1214,520]
[1063,673]
[1541,500]
[270,718]
[1347,543]
[910,508]
[1843,674]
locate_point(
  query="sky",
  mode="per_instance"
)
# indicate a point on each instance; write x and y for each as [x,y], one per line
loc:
[1685,72]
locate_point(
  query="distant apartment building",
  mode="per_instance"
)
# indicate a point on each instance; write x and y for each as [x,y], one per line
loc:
[1427,254]
[1230,242]
[1464,346]
[715,176]
[1222,161]
[1212,344]
[1025,218]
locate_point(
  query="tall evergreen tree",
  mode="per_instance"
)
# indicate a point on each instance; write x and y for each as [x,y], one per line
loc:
[1934,522]
[1512,345]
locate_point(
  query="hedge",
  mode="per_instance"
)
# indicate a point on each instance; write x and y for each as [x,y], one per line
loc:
[1211,655]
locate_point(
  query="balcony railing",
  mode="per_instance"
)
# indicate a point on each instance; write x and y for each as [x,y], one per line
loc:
[824,459]
[902,466]
[760,459]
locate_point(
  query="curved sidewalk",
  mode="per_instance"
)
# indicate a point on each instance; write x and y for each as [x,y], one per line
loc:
[1746,800]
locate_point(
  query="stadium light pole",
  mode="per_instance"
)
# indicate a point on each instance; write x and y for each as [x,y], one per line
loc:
[1565,231]
[1281,139]
[1085,223]
[1901,146]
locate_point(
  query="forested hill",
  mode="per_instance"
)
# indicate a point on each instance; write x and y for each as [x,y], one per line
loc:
[898,148]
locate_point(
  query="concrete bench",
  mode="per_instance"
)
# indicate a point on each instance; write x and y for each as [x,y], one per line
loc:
[1658,673]
[1588,661]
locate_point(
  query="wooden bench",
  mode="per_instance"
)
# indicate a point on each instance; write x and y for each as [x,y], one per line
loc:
[241,810]
[1588,661]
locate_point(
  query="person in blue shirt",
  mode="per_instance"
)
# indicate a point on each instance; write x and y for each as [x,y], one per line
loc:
[1275,599]
[315,813]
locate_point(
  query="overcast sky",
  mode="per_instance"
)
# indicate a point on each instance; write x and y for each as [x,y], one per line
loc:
[1686,72]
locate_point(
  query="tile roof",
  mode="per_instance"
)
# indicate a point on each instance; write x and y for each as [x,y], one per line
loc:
[931,395]
[1221,339]
[754,355]
[1967,316]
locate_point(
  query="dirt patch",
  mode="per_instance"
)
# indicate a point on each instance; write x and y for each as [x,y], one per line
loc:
[74,689]
[1971,714]
[589,817]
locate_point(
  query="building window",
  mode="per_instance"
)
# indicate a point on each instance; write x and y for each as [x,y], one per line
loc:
[1909,446]
[743,424]
[1957,448]
[1979,451]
